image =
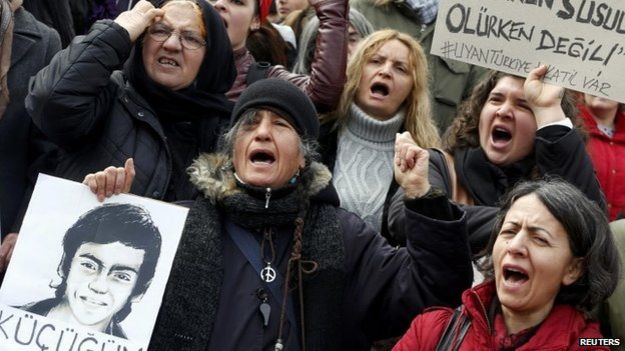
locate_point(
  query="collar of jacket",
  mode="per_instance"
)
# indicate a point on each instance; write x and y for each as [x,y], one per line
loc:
[25,34]
[563,320]
[213,175]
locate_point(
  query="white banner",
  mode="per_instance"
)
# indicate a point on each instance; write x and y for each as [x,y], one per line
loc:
[582,41]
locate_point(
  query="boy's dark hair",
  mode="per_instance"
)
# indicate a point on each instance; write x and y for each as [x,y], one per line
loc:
[127,224]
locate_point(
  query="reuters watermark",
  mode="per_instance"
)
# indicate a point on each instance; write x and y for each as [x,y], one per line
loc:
[598,342]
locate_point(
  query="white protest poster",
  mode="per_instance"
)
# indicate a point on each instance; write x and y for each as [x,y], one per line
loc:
[582,41]
[85,275]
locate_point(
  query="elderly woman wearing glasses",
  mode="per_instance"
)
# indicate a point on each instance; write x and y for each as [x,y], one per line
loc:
[161,108]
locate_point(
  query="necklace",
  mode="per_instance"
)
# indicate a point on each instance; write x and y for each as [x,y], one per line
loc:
[268,274]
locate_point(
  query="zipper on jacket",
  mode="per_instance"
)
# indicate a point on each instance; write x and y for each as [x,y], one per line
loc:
[267,197]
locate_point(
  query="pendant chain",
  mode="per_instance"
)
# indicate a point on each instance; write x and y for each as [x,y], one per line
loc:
[267,236]
[268,274]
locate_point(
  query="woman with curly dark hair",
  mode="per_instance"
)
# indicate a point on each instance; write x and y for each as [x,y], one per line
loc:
[510,129]
[505,133]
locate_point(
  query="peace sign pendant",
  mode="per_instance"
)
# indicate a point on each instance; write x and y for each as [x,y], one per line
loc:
[268,274]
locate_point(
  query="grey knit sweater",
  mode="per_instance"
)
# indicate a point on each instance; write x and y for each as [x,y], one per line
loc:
[364,163]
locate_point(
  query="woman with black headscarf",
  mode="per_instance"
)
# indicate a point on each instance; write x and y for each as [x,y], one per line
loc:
[166,106]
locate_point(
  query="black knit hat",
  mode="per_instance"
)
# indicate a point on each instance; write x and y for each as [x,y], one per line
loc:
[283,98]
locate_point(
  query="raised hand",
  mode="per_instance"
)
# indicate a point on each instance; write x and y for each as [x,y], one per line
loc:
[136,20]
[411,165]
[112,180]
[544,99]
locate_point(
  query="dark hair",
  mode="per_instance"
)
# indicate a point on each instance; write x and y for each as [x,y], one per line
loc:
[464,132]
[128,224]
[266,45]
[589,237]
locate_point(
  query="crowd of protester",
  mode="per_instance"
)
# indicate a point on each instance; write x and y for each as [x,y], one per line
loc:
[383,178]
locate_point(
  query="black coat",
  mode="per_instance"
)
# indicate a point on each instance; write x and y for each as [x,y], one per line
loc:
[480,219]
[210,297]
[24,151]
[85,105]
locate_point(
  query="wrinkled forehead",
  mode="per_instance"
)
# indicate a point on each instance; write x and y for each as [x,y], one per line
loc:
[532,210]
[271,112]
[394,50]
[184,14]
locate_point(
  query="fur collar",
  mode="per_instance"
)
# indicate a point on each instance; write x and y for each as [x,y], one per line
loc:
[213,175]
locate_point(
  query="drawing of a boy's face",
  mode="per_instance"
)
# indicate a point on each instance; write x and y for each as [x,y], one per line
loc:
[101,280]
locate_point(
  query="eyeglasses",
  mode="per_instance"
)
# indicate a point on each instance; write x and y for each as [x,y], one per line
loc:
[189,40]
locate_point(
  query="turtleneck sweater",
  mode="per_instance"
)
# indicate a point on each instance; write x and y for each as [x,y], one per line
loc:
[363,170]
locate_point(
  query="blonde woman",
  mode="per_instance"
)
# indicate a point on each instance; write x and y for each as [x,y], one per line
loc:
[450,81]
[385,93]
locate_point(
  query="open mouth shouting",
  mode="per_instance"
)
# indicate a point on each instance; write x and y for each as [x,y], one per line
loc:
[514,276]
[501,136]
[262,157]
[379,90]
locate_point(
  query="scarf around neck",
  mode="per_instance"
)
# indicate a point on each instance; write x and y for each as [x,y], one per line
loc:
[484,181]
[256,207]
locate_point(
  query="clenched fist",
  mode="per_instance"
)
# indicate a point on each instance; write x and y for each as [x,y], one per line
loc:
[411,164]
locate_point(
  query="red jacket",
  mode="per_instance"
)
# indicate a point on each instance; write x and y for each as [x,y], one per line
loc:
[608,158]
[560,331]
